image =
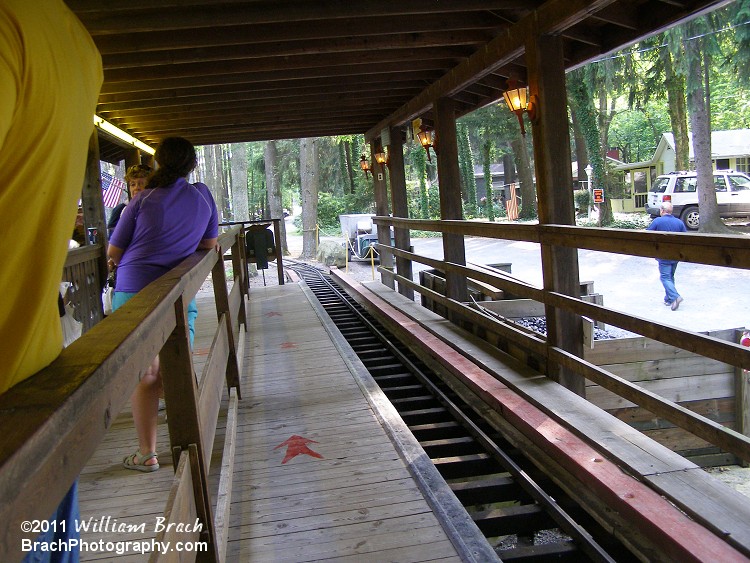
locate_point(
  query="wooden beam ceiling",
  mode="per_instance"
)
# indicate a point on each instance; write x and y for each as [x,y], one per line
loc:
[239,70]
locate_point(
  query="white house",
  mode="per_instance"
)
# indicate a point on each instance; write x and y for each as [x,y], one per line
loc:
[729,150]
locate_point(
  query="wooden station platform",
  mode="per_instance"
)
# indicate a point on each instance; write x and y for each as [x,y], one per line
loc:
[323,469]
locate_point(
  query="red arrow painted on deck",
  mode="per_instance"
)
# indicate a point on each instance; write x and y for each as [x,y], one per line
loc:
[288,345]
[297,445]
[272,314]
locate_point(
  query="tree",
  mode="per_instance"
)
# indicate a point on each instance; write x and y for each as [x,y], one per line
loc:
[239,181]
[525,177]
[582,103]
[420,160]
[273,186]
[699,112]
[310,184]
[466,165]
[487,154]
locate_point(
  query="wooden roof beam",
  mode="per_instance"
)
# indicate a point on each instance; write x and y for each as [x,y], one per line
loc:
[410,68]
[249,96]
[378,60]
[110,20]
[435,41]
[128,42]
[260,90]
[552,17]
[322,104]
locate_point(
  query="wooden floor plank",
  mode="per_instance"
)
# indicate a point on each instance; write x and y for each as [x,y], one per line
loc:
[357,500]
[352,501]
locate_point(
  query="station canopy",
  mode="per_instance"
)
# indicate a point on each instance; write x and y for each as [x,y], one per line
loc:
[232,71]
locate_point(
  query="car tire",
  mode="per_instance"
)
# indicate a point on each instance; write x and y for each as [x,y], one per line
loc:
[691,218]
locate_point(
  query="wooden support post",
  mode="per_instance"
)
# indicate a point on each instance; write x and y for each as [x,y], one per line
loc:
[400,206]
[544,55]
[277,246]
[381,209]
[742,398]
[221,297]
[185,433]
[450,194]
[239,269]
[132,157]
[243,258]
[93,207]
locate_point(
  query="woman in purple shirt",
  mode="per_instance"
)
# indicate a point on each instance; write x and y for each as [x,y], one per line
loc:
[159,228]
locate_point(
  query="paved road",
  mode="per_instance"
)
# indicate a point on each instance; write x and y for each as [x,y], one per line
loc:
[714,297]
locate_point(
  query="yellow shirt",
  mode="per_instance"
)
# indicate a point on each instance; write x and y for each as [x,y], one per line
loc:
[50,76]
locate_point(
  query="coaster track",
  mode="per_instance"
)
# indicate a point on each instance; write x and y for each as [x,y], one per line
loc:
[523,514]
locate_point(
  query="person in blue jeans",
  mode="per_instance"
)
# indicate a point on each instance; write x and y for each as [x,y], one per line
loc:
[158,229]
[667,222]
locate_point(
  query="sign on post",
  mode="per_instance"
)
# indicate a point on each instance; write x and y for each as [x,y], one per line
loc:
[598,195]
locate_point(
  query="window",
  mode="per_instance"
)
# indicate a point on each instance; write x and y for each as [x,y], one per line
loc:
[739,183]
[720,184]
[661,185]
[685,185]
[743,164]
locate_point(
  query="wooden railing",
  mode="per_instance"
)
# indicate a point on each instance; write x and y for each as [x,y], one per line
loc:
[83,269]
[716,250]
[53,421]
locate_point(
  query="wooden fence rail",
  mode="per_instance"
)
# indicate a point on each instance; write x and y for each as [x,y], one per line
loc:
[53,421]
[718,250]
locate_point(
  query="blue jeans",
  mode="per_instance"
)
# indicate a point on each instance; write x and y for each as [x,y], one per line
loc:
[67,512]
[119,298]
[666,275]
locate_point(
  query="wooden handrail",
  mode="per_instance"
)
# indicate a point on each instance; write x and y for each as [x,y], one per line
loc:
[54,420]
[718,250]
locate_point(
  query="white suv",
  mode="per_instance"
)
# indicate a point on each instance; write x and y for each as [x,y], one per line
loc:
[732,195]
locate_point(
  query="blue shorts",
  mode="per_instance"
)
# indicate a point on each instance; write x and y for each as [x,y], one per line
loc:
[66,519]
[119,298]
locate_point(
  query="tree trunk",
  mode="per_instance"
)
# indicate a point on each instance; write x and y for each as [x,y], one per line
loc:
[420,163]
[466,162]
[349,169]
[489,209]
[584,108]
[226,182]
[309,180]
[606,216]
[213,177]
[582,158]
[710,222]
[526,178]
[273,187]
[677,110]
[239,181]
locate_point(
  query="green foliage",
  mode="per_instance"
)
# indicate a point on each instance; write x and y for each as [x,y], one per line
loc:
[636,132]
[433,201]
[331,206]
[582,199]
[635,221]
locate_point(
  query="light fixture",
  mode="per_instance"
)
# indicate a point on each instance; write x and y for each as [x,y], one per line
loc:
[364,165]
[115,131]
[381,157]
[425,139]
[518,101]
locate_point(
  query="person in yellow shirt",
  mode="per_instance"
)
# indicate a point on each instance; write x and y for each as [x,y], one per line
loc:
[50,77]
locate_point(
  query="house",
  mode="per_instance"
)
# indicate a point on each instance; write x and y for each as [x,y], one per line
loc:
[729,150]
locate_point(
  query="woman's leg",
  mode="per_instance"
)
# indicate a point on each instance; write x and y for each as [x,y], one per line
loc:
[145,404]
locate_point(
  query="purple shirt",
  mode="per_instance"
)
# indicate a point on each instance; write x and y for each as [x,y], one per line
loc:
[161,227]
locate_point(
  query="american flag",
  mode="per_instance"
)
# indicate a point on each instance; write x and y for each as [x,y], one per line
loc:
[112,190]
